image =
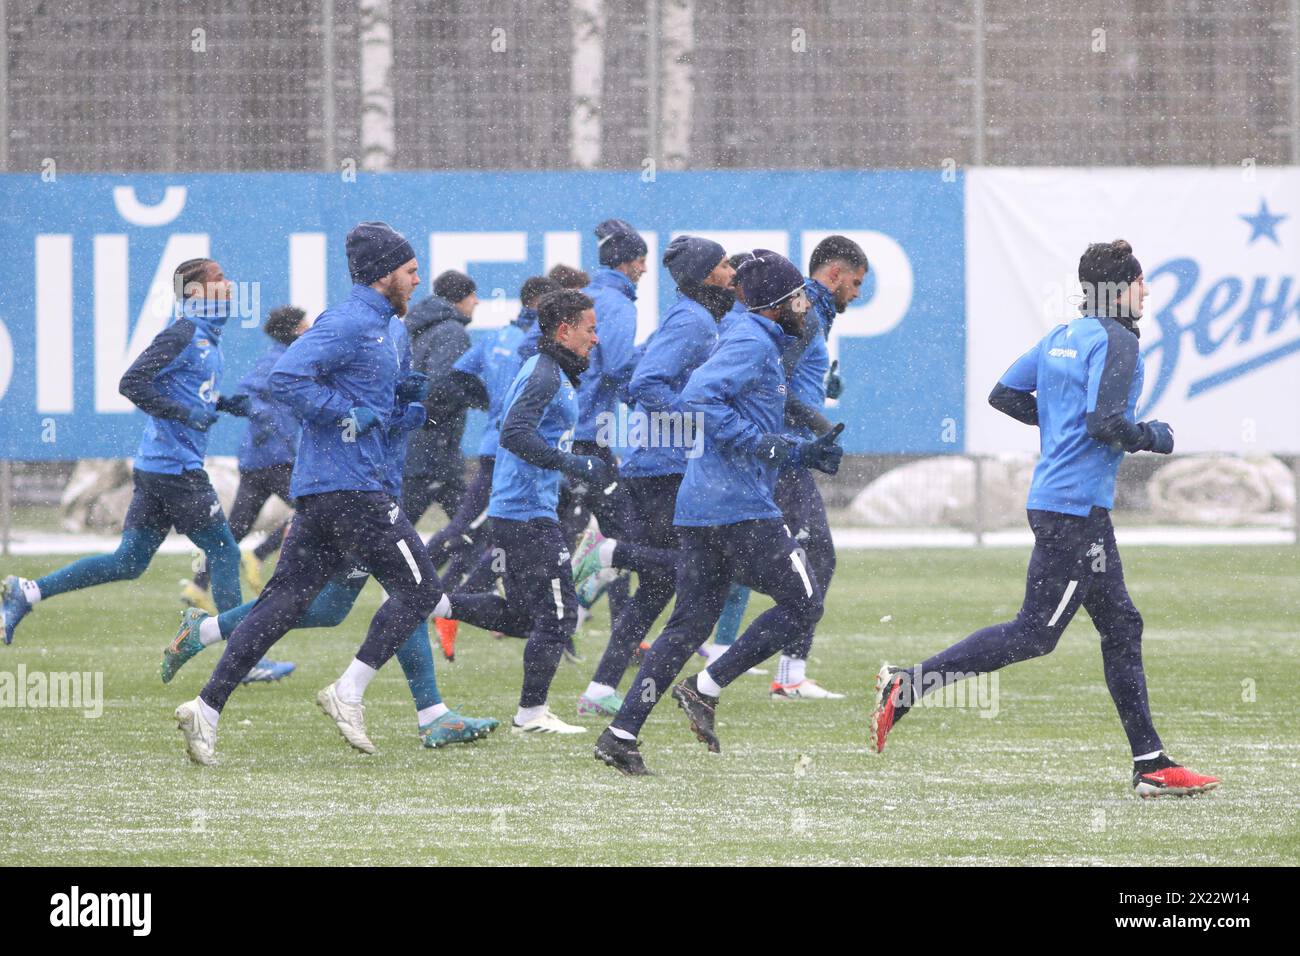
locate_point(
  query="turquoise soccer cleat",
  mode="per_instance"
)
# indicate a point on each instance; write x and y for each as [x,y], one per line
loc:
[267,670]
[184,645]
[606,706]
[454,728]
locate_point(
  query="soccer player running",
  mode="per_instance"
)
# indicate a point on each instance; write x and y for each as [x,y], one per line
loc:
[438,725]
[1080,386]
[653,472]
[174,381]
[480,379]
[540,413]
[265,455]
[342,377]
[728,522]
[836,270]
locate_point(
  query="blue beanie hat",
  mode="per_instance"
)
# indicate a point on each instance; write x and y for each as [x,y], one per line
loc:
[374,250]
[618,242]
[768,279]
[692,258]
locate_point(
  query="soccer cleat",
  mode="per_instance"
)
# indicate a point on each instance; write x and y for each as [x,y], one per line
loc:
[1172,781]
[349,718]
[200,736]
[592,587]
[184,645]
[606,706]
[623,755]
[700,709]
[547,723]
[252,570]
[195,596]
[639,654]
[14,605]
[883,718]
[454,728]
[806,689]
[447,629]
[267,670]
[586,556]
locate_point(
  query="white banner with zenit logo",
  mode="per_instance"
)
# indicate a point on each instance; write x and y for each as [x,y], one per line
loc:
[1220,249]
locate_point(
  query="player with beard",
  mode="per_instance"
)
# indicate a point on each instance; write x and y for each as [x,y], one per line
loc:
[727,519]
[652,473]
[343,378]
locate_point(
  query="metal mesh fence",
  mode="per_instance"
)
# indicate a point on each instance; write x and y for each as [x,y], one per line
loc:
[139,85]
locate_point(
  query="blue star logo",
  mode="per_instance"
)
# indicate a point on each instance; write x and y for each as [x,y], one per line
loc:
[1263,224]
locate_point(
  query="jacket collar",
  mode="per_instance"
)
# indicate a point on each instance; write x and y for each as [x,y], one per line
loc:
[569,363]
[608,278]
[773,330]
[823,303]
[208,314]
[373,300]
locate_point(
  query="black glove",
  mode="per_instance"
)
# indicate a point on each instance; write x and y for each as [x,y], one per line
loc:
[834,384]
[413,387]
[201,419]
[1159,437]
[239,405]
[824,454]
[774,449]
[586,468]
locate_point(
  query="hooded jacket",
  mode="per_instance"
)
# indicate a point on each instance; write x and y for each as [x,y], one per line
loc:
[347,359]
[740,392]
[272,435]
[613,359]
[685,339]
[494,360]
[438,340]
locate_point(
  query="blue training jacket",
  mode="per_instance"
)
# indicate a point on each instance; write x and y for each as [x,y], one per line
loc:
[398,434]
[272,434]
[541,409]
[176,375]
[740,390]
[495,361]
[1088,377]
[347,359]
[808,377]
[684,340]
[613,360]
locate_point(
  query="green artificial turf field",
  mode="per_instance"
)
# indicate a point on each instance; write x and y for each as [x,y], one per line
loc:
[1044,781]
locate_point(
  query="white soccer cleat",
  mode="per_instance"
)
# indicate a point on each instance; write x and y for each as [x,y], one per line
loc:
[200,736]
[547,723]
[806,689]
[349,718]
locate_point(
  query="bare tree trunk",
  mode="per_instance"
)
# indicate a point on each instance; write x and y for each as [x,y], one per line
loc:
[677,47]
[378,142]
[587,66]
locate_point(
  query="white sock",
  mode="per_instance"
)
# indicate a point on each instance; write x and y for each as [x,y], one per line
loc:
[444,607]
[524,714]
[209,631]
[714,651]
[595,690]
[429,714]
[352,685]
[210,714]
[791,670]
[1151,756]
[31,590]
[783,670]
[621,734]
[606,552]
[707,684]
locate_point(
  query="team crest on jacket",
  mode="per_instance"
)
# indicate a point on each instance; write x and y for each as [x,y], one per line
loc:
[393,513]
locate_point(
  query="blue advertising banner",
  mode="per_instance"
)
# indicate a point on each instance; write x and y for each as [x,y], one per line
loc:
[85,278]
